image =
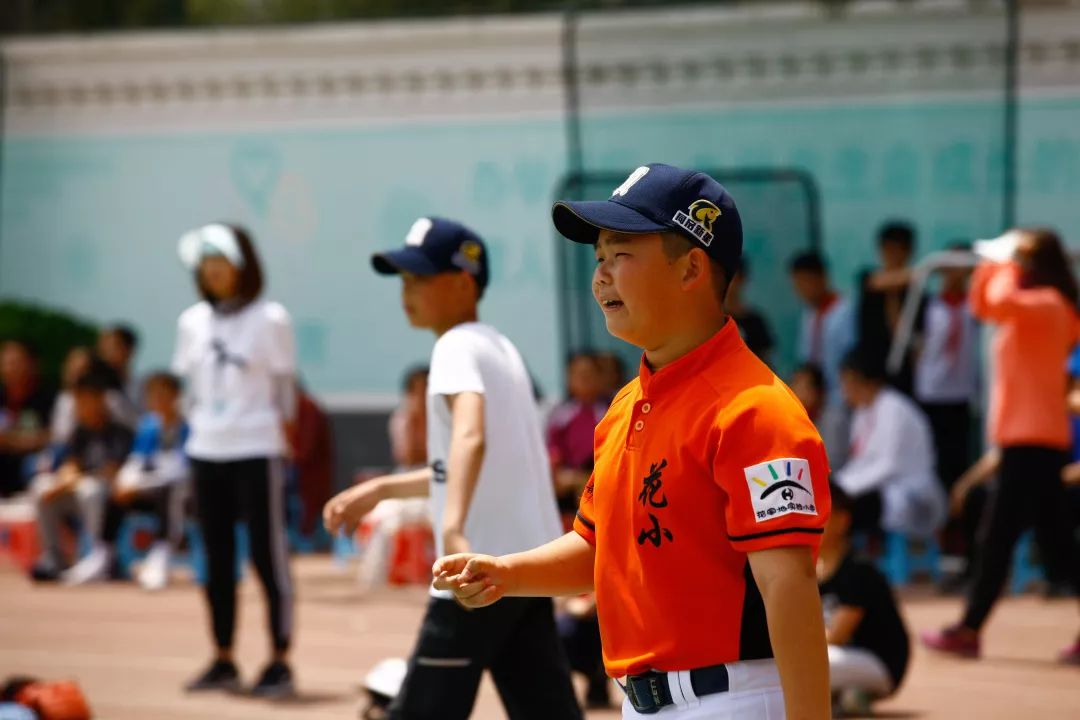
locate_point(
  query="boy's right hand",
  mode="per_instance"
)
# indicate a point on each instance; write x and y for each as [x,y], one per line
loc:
[476,580]
[345,510]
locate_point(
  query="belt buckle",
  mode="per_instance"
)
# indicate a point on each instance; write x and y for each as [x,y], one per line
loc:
[648,692]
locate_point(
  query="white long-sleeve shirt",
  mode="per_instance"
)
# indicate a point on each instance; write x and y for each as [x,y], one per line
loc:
[892,451]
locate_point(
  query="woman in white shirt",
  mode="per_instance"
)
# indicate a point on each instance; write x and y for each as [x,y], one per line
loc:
[236,353]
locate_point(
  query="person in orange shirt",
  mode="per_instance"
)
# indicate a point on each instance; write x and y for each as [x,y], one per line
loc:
[700,524]
[1033,301]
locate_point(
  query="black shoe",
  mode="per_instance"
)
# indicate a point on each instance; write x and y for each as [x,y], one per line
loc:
[221,675]
[276,681]
[44,573]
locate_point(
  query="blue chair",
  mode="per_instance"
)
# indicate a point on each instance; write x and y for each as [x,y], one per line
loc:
[1025,570]
[126,550]
[344,548]
[904,556]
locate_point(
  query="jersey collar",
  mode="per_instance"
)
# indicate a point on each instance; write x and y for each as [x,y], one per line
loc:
[689,366]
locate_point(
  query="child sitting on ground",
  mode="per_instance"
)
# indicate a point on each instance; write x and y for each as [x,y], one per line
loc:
[868,643]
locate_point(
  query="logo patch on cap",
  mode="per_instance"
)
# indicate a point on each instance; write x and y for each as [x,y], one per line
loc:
[468,256]
[698,220]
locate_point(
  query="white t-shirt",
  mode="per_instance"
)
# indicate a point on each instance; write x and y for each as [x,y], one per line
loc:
[946,368]
[892,450]
[513,507]
[231,364]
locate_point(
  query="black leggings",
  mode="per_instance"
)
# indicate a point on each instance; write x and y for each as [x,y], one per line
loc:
[1029,492]
[252,491]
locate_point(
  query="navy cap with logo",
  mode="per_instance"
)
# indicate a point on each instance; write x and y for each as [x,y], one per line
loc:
[435,245]
[661,198]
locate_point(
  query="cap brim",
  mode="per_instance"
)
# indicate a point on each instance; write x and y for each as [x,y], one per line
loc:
[409,259]
[583,221]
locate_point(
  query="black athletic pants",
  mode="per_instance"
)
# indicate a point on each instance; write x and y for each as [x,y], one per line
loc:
[1029,492]
[951,426]
[159,501]
[515,639]
[253,492]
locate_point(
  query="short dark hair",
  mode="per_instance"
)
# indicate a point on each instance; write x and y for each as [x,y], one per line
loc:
[675,246]
[164,378]
[620,366]
[814,371]
[809,261]
[866,365]
[92,381]
[576,355]
[411,375]
[127,334]
[251,274]
[28,347]
[897,232]
[840,499]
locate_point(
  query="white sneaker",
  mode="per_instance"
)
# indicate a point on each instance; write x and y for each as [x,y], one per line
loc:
[91,568]
[154,574]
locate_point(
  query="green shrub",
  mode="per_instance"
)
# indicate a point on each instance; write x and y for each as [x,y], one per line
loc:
[52,332]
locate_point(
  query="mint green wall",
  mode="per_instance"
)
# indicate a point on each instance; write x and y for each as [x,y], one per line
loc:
[90,223]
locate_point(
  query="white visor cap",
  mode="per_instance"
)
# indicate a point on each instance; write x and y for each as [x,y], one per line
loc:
[213,239]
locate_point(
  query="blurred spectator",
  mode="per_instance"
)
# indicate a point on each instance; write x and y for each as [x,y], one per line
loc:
[826,335]
[313,458]
[1033,301]
[579,630]
[81,485]
[570,431]
[808,384]
[408,422]
[116,345]
[882,300]
[156,478]
[946,372]
[753,326]
[890,469]
[827,329]
[25,412]
[571,426]
[612,372]
[79,362]
[868,643]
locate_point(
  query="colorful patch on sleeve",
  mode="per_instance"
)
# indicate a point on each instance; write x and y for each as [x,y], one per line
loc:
[780,487]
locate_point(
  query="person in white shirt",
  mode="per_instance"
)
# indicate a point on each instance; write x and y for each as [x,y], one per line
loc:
[236,354]
[489,481]
[826,335]
[890,472]
[946,371]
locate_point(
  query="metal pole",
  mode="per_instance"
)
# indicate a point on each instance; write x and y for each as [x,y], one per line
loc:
[565,254]
[1012,83]
[574,160]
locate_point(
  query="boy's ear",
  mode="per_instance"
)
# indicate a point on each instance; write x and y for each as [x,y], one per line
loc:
[696,268]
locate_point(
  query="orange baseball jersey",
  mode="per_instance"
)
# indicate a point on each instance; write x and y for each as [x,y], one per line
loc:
[697,464]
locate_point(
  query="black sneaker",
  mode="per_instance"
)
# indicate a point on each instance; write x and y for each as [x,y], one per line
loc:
[221,675]
[276,681]
[44,573]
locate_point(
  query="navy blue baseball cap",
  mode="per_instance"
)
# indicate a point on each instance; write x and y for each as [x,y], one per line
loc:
[661,198]
[435,245]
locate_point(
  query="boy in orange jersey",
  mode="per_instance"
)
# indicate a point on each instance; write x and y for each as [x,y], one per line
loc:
[700,524]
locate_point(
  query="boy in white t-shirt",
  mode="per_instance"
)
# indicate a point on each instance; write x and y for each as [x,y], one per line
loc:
[490,486]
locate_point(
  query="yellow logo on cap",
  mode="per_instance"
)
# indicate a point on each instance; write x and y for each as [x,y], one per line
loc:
[704,213]
[471,250]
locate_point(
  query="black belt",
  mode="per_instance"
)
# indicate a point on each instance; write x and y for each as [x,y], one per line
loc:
[649,692]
